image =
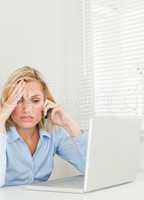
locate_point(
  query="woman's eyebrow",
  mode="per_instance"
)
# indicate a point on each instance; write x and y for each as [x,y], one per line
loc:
[36,95]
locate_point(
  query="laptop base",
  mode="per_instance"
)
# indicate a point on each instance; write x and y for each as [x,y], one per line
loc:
[73,184]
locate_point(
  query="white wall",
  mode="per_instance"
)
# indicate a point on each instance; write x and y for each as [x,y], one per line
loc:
[44,34]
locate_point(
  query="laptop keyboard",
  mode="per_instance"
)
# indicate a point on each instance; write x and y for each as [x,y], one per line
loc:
[73,181]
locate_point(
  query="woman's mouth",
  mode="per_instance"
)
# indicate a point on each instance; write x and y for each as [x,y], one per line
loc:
[27,118]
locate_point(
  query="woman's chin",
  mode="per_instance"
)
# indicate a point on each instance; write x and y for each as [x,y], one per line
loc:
[27,125]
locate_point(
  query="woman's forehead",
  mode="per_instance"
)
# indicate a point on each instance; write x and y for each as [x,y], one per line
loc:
[33,88]
[34,93]
[33,85]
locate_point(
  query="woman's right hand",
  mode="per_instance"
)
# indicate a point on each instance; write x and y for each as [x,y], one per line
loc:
[15,94]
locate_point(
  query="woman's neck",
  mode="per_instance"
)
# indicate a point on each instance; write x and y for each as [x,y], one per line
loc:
[27,133]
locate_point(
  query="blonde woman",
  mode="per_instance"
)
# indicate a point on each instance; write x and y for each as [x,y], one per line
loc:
[33,128]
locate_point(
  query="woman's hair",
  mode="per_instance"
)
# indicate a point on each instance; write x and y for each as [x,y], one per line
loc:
[28,74]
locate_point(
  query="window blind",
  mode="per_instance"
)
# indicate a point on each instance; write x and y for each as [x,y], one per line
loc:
[112,58]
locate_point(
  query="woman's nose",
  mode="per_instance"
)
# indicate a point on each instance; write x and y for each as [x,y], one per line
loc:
[27,107]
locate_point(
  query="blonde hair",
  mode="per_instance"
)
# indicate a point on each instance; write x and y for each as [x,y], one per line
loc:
[28,74]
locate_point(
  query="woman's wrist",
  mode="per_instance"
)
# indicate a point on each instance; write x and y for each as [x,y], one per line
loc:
[2,124]
[2,121]
[72,128]
[2,128]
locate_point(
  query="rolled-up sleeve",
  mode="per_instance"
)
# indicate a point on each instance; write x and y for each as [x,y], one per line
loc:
[72,149]
[2,158]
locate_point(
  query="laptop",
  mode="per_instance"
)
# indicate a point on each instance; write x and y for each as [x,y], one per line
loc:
[112,157]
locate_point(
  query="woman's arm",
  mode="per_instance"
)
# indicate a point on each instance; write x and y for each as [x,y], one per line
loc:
[72,128]
[72,149]
[2,154]
[5,111]
[70,143]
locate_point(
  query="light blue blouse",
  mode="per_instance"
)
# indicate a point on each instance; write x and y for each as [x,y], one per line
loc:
[18,166]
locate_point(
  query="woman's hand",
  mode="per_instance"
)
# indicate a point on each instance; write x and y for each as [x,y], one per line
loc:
[59,117]
[15,94]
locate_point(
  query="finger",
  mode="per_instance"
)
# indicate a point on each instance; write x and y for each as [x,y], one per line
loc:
[55,110]
[19,95]
[15,86]
[15,83]
[19,85]
[25,78]
[50,106]
[47,104]
[16,95]
[17,90]
[47,108]
[50,102]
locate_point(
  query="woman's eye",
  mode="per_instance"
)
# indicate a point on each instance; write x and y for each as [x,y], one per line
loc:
[35,100]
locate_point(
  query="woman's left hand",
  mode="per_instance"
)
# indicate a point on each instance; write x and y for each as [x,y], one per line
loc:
[61,118]
[58,115]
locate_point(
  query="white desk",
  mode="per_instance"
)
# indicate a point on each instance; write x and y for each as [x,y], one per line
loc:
[130,191]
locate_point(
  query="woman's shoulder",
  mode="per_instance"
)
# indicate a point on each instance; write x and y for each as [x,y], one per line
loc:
[11,134]
[56,131]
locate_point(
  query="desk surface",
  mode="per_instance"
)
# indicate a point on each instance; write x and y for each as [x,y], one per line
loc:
[132,191]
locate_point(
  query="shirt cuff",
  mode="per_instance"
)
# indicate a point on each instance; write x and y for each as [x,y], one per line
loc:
[3,136]
[82,138]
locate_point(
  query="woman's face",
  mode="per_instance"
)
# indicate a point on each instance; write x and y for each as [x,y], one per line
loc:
[28,112]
